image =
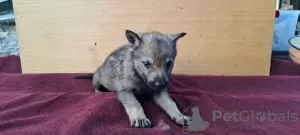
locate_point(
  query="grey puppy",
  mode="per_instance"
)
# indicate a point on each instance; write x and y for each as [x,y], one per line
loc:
[141,70]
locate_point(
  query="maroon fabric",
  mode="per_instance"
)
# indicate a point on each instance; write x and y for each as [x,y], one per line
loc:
[52,104]
[10,64]
[283,67]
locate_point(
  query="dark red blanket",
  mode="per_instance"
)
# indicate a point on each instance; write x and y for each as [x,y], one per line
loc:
[53,104]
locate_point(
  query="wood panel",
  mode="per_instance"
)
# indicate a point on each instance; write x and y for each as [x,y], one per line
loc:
[224,37]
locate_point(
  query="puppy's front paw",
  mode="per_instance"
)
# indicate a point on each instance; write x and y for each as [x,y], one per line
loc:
[183,120]
[140,123]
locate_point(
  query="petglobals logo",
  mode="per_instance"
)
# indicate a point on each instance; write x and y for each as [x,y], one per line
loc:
[261,116]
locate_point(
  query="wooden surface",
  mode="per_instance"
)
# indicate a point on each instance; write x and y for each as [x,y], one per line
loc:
[224,37]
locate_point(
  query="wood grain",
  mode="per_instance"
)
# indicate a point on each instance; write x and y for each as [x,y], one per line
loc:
[224,37]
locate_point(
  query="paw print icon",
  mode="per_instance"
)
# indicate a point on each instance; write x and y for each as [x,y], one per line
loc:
[197,124]
[261,116]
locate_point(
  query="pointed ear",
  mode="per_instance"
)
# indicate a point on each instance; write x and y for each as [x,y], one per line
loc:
[177,36]
[133,38]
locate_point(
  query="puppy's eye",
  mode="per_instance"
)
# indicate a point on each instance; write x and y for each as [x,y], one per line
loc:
[169,64]
[147,64]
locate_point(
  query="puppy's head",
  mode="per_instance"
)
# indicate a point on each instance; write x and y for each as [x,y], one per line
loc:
[153,56]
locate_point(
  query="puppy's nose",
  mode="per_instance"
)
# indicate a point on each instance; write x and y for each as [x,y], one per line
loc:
[158,83]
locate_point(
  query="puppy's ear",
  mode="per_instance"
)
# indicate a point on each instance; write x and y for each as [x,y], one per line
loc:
[177,36]
[133,38]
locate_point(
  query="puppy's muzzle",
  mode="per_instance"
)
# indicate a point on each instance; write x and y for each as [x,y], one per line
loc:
[158,83]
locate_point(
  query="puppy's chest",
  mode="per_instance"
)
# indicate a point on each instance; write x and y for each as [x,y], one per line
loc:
[144,93]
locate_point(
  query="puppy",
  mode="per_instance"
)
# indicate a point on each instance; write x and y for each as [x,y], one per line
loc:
[141,70]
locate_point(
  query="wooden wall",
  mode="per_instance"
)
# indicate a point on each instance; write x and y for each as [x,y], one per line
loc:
[224,37]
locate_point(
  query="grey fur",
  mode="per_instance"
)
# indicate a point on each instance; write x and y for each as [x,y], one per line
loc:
[141,69]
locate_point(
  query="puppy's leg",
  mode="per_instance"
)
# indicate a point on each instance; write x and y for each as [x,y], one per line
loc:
[169,106]
[96,91]
[96,82]
[134,110]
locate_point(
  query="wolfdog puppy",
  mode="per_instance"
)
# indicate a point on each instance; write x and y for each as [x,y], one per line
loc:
[141,69]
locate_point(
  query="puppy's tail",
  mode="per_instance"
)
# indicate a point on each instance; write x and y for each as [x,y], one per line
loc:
[88,76]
